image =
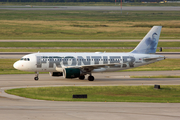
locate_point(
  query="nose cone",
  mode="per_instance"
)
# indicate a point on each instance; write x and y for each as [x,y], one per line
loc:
[16,65]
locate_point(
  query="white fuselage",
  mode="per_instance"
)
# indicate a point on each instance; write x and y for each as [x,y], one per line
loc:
[55,62]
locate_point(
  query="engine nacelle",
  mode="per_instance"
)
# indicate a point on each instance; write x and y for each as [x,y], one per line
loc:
[56,74]
[71,72]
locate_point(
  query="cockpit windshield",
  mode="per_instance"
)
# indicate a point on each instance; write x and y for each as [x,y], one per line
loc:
[25,59]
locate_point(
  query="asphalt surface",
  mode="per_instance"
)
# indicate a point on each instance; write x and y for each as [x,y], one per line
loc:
[18,108]
[94,8]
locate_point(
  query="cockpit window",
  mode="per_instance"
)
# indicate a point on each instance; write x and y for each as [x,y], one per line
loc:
[25,59]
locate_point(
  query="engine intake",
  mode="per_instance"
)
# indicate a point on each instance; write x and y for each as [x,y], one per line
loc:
[71,72]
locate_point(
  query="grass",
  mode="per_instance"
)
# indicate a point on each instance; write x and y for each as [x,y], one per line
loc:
[82,44]
[6,66]
[65,50]
[167,94]
[164,65]
[84,4]
[111,16]
[77,50]
[86,24]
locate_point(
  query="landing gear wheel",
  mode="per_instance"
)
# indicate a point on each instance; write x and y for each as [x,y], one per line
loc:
[82,77]
[91,78]
[36,78]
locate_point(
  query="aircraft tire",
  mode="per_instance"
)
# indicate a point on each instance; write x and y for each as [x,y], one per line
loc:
[91,78]
[36,78]
[82,77]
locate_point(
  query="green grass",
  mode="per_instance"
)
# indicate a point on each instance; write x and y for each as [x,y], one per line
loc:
[65,50]
[6,66]
[160,76]
[78,50]
[167,64]
[167,94]
[86,24]
[82,44]
[74,44]
[111,16]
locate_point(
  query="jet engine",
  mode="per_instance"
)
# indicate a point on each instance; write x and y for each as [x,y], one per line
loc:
[71,72]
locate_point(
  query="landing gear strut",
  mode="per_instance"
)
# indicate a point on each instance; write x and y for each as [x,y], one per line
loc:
[82,77]
[91,78]
[36,76]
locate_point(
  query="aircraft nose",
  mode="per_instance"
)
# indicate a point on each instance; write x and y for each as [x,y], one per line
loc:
[16,65]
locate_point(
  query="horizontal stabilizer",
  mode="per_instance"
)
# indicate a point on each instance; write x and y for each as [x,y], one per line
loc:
[154,58]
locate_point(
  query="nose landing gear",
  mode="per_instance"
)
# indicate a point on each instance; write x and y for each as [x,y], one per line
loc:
[36,76]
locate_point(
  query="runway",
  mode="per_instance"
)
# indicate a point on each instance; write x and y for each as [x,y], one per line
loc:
[94,8]
[18,108]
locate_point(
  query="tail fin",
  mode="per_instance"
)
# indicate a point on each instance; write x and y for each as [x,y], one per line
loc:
[149,43]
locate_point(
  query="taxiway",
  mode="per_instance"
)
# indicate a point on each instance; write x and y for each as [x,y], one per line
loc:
[93,8]
[19,108]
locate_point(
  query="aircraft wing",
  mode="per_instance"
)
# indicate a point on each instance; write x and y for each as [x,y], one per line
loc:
[93,66]
[86,67]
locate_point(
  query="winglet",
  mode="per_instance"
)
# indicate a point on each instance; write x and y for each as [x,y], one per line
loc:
[149,43]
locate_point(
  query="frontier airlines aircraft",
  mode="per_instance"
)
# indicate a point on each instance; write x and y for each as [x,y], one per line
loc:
[77,65]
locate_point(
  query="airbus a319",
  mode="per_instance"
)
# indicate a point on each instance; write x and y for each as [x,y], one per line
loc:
[77,65]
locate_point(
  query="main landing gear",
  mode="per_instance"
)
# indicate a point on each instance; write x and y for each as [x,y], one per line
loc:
[36,76]
[91,78]
[82,77]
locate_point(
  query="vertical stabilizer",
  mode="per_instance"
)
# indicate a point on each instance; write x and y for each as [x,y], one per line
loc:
[149,43]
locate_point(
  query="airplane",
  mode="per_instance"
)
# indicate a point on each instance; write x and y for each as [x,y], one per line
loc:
[77,65]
